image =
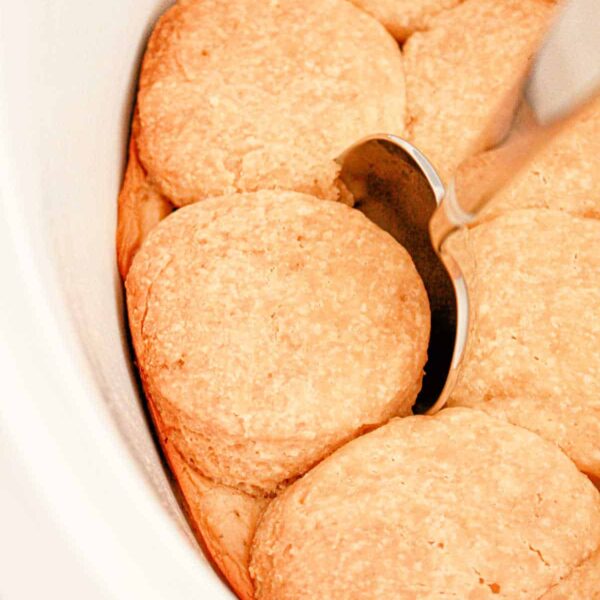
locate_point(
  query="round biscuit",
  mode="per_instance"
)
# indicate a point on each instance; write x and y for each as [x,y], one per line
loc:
[532,356]
[459,505]
[272,327]
[240,96]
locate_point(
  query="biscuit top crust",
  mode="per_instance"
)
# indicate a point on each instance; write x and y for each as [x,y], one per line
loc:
[459,505]
[272,327]
[533,352]
[241,95]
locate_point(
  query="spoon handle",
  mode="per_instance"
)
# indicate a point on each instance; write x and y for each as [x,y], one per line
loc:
[481,177]
[566,69]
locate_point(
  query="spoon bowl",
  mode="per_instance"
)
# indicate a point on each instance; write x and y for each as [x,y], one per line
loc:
[397,188]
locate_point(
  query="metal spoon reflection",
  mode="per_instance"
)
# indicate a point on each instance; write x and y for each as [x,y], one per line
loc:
[396,187]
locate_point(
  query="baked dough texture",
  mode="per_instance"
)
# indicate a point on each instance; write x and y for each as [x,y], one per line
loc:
[460,505]
[582,584]
[223,519]
[403,17]
[272,327]
[240,95]
[564,175]
[270,331]
[532,356]
[463,76]
[141,208]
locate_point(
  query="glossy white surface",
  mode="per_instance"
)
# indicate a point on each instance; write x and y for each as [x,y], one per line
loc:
[568,68]
[86,510]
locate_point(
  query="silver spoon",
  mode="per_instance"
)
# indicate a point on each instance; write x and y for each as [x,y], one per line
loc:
[397,188]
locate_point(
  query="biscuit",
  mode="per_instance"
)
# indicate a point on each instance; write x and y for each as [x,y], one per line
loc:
[459,505]
[141,207]
[240,96]
[463,76]
[564,175]
[532,356]
[223,519]
[272,327]
[403,17]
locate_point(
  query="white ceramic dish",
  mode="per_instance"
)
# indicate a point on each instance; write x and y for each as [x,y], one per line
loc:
[90,512]
[81,450]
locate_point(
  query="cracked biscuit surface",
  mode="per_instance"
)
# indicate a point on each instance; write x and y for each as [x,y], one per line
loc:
[272,327]
[239,96]
[532,355]
[460,505]
[583,583]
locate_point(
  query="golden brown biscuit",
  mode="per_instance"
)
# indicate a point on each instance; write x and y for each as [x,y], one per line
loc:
[459,505]
[223,519]
[242,95]
[141,207]
[403,17]
[272,327]
[532,356]
[464,73]
[565,175]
